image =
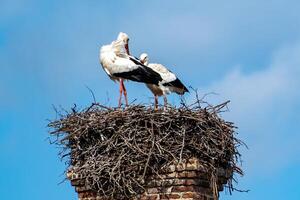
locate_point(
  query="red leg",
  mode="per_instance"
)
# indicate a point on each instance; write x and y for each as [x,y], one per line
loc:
[121,91]
[124,92]
[155,102]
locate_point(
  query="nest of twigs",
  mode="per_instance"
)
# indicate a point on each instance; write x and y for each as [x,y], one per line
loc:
[115,150]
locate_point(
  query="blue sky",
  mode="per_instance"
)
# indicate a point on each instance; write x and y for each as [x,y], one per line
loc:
[247,52]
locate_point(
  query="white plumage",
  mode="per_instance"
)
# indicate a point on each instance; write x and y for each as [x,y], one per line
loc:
[113,57]
[119,65]
[170,83]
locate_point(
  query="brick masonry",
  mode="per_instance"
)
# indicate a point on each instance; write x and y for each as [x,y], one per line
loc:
[185,181]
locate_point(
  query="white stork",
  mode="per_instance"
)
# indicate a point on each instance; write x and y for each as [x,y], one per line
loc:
[170,83]
[119,65]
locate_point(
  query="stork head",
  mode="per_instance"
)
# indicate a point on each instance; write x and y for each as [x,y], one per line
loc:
[144,58]
[124,38]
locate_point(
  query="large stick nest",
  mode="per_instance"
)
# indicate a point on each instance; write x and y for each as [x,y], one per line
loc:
[115,150]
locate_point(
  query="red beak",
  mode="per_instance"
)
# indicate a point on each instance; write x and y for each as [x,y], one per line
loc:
[127,49]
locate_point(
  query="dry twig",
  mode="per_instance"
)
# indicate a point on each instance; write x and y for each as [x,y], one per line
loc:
[116,149]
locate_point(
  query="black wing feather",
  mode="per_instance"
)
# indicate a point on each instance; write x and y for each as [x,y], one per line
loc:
[176,83]
[142,74]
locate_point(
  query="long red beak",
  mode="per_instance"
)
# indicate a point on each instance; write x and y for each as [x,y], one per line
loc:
[127,49]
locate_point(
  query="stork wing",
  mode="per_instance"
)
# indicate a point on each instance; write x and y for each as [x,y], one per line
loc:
[134,70]
[176,84]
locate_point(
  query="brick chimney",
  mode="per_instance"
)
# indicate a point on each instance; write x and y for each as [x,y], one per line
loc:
[187,180]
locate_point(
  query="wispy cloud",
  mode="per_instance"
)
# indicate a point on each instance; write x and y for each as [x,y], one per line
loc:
[264,106]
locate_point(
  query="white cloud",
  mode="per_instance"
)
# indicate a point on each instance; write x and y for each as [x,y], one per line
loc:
[264,105]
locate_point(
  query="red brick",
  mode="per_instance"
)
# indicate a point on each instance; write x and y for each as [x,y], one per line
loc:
[191,174]
[182,174]
[183,188]
[190,181]
[153,197]
[170,196]
[188,195]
